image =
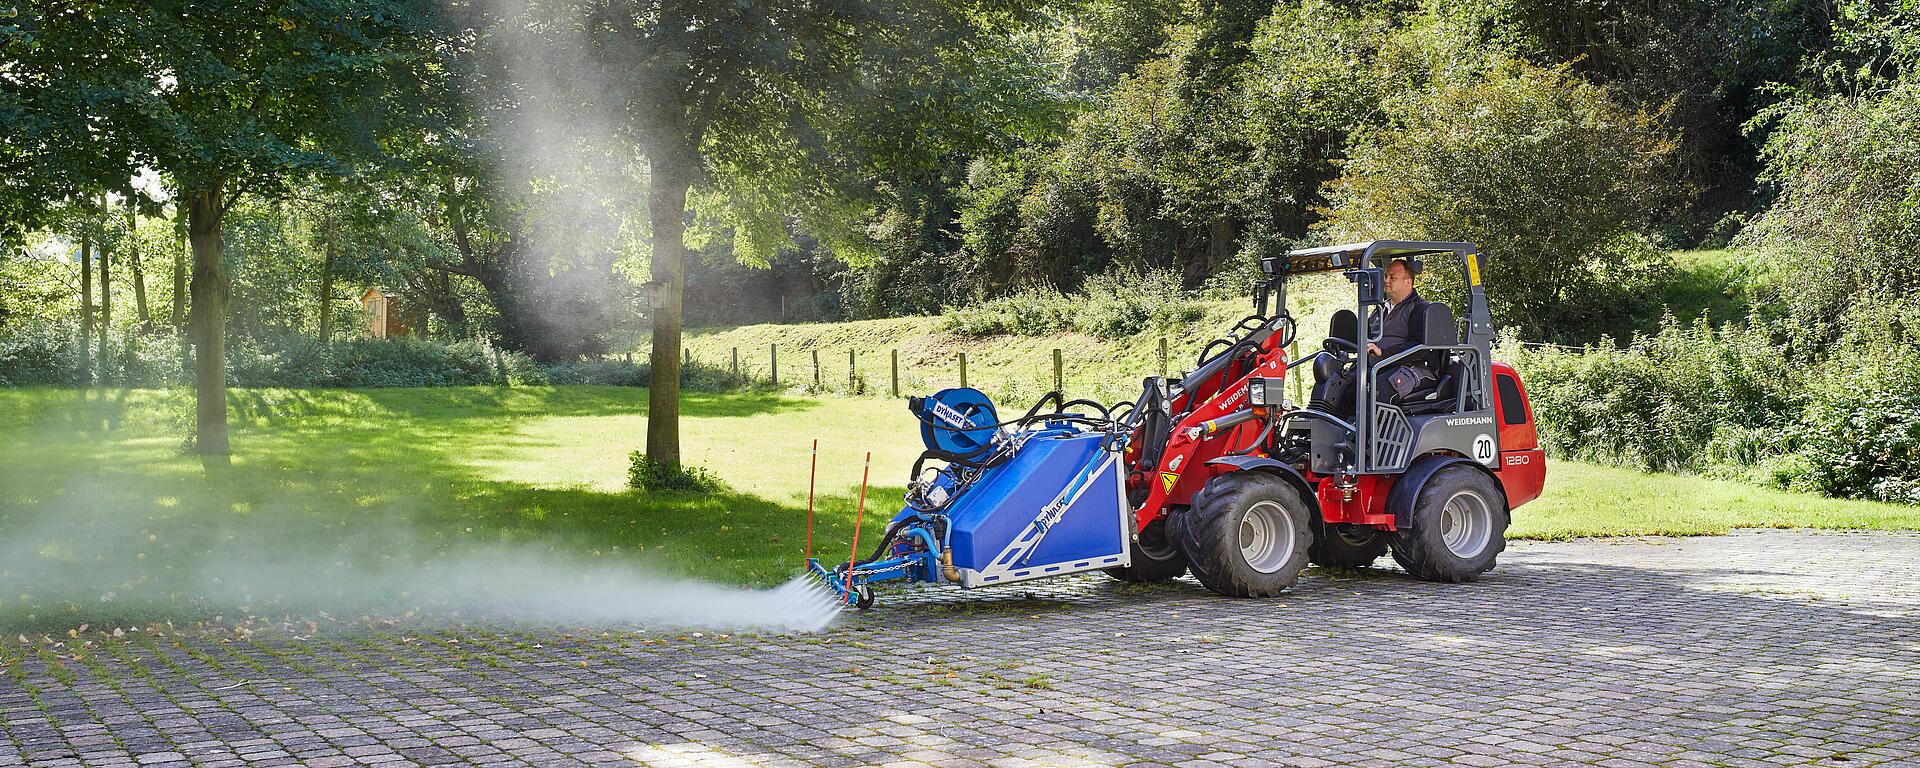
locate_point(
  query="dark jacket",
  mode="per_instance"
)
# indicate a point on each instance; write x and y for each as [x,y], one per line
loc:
[1403,328]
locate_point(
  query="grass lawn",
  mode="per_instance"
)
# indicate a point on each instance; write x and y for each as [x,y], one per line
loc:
[346,498]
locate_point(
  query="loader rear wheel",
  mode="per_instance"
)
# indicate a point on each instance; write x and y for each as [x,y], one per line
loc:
[1459,527]
[1154,557]
[1246,535]
[1346,546]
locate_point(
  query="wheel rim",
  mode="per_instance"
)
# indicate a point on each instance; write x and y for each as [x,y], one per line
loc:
[1466,524]
[1266,537]
[1154,544]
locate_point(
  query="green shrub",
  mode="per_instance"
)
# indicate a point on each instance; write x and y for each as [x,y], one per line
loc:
[618,373]
[644,474]
[1690,397]
[39,354]
[45,355]
[411,363]
[285,362]
[1114,304]
[1860,433]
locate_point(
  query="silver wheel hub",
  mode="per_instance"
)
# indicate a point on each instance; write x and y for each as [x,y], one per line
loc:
[1466,524]
[1266,537]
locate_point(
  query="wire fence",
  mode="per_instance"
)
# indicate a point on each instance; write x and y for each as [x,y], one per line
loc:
[1076,373]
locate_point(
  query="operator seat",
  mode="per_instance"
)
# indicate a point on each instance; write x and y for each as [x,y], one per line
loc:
[1332,374]
[1450,369]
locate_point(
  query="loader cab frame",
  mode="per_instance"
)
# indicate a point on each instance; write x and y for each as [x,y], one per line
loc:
[1379,435]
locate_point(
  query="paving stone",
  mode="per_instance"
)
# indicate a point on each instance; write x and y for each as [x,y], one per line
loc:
[1761,648]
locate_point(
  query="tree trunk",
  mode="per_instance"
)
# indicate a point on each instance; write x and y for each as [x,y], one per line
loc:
[208,324]
[1223,239]
[456,315]
[666,207]
[179,318]
[86,308]
[326,290]
[139,272]
[448,306]
[106,297]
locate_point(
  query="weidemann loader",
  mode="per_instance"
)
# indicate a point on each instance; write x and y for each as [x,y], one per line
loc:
[1217,473]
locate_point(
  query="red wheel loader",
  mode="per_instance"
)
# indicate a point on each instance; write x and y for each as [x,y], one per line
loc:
[1218,473]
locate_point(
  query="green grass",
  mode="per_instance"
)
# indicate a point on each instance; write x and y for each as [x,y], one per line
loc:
[1705,282]
[1591,500]
[103,521]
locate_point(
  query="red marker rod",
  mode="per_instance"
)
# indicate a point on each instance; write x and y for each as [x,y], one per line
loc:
[859,513]
[812,470]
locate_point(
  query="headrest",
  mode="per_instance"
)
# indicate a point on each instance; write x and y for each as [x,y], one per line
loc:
[1345,325]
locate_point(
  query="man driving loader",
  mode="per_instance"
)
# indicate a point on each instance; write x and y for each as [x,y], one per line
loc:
[1401,330]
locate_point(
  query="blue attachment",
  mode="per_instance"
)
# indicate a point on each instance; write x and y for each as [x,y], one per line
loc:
[964,416]
[1057,505]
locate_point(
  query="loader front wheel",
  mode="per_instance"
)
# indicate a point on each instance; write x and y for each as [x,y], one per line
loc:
[1155,558]
[1246,535]
[1459,527]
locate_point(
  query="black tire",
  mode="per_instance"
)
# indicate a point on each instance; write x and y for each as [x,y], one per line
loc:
[1347,546]
[1154,557]
[1246,535]
[1459,545]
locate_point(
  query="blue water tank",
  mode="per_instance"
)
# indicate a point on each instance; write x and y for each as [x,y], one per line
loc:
[1056,507]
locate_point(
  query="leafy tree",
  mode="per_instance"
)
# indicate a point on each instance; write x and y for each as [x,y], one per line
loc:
[783,110]
[1551,176]
[1841,151]
[225,99]
[1704,66]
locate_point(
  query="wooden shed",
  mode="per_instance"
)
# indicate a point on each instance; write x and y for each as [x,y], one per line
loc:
[383,314]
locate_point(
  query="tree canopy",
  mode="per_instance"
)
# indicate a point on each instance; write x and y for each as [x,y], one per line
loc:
[560,177]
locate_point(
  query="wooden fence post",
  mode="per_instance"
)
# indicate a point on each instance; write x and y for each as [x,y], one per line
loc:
[896,371]
[816,369]
[963,369]
[687,356]
[1163,357]
[1294,356]
[736,362]
[1058,385]
[851,386]
[773,362]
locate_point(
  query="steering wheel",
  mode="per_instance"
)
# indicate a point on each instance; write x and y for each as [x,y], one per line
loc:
[1336,344]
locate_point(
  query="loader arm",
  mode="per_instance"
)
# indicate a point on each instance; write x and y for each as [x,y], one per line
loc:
[1215,390]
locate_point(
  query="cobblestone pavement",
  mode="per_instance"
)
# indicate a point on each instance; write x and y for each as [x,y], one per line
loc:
[1756,649]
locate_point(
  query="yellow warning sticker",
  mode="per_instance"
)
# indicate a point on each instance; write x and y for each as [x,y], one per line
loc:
[1473,269]
[1168,479]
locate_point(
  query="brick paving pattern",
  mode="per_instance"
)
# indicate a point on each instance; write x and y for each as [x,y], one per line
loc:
[1763,648]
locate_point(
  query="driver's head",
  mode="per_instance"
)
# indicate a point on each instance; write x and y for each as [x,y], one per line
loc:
[1399,280]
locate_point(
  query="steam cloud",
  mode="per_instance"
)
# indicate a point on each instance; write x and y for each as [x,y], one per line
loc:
[95,551]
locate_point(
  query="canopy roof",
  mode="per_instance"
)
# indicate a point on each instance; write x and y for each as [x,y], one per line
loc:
[1352,255]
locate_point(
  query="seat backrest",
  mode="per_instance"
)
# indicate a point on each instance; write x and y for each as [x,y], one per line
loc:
[1438,326]
[1345,325]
